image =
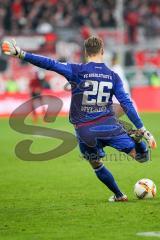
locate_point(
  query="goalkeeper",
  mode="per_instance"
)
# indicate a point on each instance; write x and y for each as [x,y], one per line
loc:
[91,111]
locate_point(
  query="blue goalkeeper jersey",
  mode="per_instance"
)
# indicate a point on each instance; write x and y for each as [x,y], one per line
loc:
[92,87]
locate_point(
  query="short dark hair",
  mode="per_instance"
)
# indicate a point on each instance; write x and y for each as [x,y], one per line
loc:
[93,45]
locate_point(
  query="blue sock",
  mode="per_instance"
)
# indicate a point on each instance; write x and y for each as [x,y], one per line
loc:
[106,177]
[141,147]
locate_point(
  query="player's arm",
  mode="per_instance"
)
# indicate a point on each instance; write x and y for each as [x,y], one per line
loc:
[127,105]
[10,48]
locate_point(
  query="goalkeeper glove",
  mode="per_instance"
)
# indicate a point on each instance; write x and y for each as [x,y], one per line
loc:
[149,137]
[10,48]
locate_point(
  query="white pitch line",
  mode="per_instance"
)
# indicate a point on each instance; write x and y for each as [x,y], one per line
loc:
[149,234]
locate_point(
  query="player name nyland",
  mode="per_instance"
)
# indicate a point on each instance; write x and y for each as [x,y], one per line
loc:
[93,109]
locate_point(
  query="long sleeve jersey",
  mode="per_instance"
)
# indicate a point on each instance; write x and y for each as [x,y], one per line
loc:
[92,88]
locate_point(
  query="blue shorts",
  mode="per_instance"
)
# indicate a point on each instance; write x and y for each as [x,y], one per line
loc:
[93,137]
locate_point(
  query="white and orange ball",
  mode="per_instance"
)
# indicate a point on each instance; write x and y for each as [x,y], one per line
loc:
[145,188]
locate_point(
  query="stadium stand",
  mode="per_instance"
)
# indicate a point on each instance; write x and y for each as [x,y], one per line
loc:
[23,16]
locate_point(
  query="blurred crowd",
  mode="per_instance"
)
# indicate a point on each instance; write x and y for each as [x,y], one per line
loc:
[144,14]
[23,16]
[41,15]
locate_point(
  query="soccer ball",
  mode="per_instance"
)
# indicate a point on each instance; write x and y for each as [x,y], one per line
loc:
[145,188]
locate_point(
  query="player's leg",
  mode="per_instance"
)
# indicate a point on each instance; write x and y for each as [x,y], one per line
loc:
[118,110]
[34,113]
[35,99]
[141,152]
[124,143]
[106,177]
[36,102]
[137,150]
[93,155]
[43,111]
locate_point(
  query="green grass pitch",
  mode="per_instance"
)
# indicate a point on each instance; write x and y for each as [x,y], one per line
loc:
[62,199]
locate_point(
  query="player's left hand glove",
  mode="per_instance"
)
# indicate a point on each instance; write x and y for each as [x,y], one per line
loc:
[10,48]
[149,138]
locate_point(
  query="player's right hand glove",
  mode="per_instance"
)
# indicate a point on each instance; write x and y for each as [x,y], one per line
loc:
[149,138]
[10,48]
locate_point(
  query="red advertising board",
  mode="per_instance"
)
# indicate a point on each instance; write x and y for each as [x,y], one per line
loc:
[147,98]
[9,103]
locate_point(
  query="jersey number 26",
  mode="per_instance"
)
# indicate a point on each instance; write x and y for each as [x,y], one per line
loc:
[97,90]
